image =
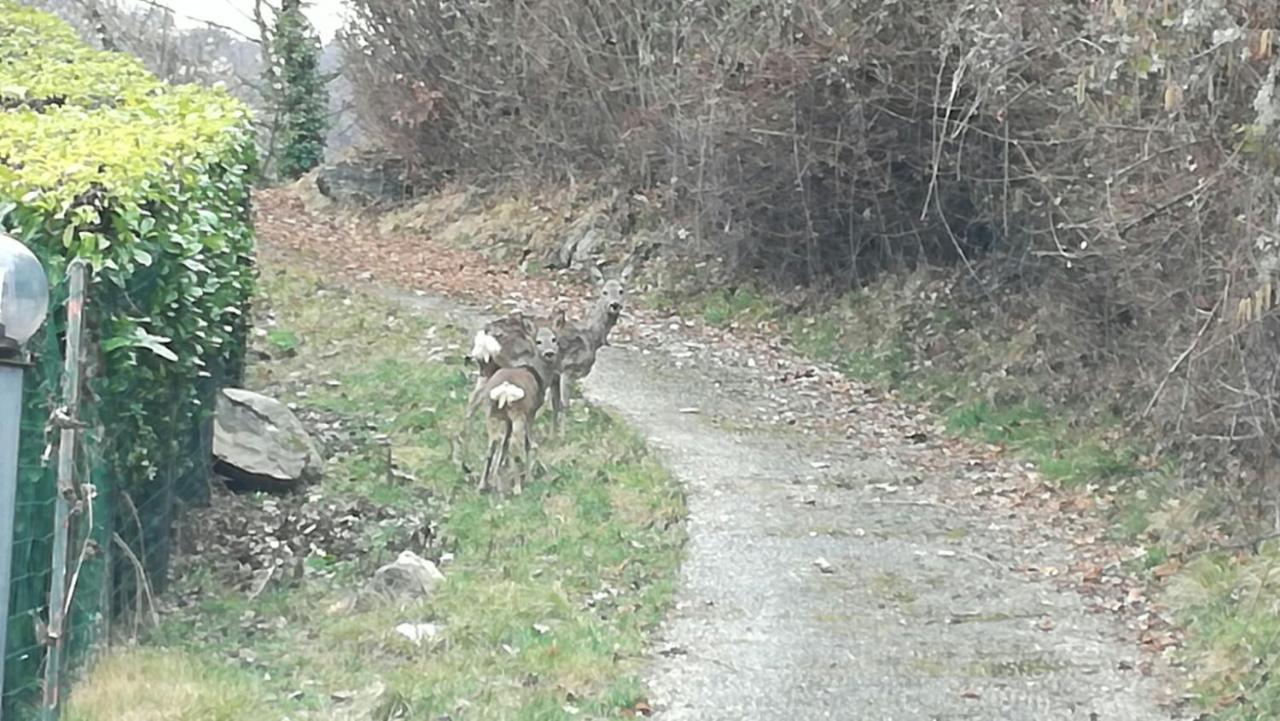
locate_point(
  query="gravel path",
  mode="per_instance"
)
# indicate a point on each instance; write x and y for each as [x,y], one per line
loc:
[843,591]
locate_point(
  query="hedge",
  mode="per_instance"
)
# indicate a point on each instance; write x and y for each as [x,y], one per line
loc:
[151,184]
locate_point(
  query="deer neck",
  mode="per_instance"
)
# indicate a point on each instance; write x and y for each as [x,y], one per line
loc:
[599,323]
[542,372]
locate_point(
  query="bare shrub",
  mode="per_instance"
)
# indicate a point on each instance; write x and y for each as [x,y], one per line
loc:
[796,135]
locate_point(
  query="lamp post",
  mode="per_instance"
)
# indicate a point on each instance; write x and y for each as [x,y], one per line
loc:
[24,300]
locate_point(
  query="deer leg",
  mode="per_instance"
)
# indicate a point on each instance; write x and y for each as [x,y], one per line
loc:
[488,465]
[557,404]
[473,400]
[566,384]
[528,457]
[494,458]
[520,429]
[505,450]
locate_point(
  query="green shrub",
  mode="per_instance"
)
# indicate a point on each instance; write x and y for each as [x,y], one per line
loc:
[150,184]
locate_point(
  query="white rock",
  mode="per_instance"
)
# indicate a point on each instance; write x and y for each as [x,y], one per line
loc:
[418,632]
[410,575]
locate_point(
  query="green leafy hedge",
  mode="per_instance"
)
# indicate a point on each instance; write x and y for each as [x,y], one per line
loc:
[151,184]
[44,60]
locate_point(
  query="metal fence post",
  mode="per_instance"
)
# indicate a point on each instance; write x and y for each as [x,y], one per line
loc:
[24,302]
[10,420]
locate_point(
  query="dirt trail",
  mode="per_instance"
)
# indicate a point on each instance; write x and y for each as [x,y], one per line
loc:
[919,617]
[837,570]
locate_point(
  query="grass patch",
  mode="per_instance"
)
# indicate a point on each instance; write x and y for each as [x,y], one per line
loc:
[147,684]
[879,360]
[550,598]
[1068,455]
[1229,605]
[723,308]
[282,340]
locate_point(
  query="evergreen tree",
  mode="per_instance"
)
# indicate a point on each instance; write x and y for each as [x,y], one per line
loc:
[301,98]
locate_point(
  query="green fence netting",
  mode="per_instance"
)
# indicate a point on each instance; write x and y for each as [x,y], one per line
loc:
[33,516]
[124,533]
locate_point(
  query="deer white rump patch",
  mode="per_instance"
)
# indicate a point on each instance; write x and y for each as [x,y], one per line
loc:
[485,347]
[505,394]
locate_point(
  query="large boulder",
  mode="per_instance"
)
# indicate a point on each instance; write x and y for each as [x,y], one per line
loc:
[259,444]
[364,177]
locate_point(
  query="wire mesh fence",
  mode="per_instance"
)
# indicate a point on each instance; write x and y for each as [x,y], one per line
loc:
[121,512]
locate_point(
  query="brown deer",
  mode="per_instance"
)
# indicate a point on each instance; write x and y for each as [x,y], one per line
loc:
[578,342]
[502,343]
[512,397]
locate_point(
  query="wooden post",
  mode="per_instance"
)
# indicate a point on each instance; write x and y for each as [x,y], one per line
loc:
[68,439]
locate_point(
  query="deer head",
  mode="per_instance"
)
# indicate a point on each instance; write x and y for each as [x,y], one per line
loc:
[609,301]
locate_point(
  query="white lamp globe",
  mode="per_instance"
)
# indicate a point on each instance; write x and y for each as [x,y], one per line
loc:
[24,292]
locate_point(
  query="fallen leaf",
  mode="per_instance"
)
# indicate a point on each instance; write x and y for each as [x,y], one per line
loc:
[1166,569]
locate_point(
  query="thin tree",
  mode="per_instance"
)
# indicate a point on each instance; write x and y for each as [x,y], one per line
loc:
[298,93]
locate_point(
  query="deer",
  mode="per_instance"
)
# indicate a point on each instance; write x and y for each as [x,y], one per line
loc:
[500,343]
[512,396]
[578,342]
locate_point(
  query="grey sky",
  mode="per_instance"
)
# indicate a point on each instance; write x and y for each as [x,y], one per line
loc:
[326,15]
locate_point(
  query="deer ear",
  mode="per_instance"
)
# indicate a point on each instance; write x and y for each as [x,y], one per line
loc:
[558,319]
[596,275]
[626,271]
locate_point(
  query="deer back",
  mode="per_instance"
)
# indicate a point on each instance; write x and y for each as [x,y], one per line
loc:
[515,334]
[524,378]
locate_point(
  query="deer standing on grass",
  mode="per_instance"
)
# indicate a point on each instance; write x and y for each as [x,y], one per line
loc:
[512,396]
[578,342]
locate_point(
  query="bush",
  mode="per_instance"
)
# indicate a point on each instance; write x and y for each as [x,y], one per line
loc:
[795,134]
[150,184]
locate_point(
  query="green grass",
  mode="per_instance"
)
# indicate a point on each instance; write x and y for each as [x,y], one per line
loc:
[1067,455]
[549,602]
[1229,605]
[283,340]
[161,685]
[865,343]
[724,308]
